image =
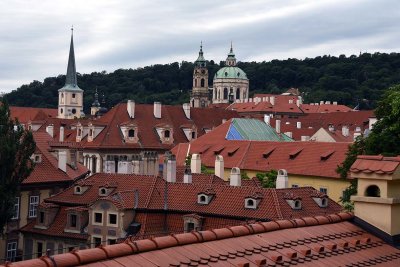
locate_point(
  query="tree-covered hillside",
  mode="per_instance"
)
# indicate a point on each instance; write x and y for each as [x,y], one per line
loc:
[348,80]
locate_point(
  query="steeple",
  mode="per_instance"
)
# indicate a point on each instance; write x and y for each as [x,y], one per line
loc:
[70,79]
[96,102]
[200,61]
[231,60]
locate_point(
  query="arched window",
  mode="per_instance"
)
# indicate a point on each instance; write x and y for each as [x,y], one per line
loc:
[250,202]
[324,202]
[225,93]
[202,83]
[373,191]
[167,133]
[238,93]
[131,133]
[202,199]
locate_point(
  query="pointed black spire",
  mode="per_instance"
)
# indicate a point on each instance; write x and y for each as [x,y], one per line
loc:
[70,79]
[96,102]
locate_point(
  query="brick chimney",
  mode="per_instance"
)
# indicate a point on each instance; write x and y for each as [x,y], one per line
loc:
[157,110]
[219,167]
[282,180]
[130,106]
[235,179]
[195,163]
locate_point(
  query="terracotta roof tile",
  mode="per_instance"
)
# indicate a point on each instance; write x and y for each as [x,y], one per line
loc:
[377,164]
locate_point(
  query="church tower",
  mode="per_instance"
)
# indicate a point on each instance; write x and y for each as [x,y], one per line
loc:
[199,94]
[96,104]
[70,97]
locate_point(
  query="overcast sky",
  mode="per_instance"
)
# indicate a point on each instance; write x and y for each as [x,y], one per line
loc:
[35,35]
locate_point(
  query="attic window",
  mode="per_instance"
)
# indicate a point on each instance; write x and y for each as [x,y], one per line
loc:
[327,155]
[295,153]
[268,152]
[232,151]
[37,158]
[193,135]
[131,133]
[322,201]
[78,190]
[297,204]
[250,203]
[102,191]
[167,133]
[204,199]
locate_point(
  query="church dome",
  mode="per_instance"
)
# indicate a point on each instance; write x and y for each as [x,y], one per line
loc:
[231,72]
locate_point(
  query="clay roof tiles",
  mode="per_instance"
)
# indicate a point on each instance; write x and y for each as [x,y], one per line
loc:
[376,164]
[329,240]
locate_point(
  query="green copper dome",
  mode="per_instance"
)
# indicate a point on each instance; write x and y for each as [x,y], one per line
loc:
[231,73]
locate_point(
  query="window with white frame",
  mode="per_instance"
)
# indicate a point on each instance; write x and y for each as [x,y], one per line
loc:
[16,209]
[33,203]
[11,251]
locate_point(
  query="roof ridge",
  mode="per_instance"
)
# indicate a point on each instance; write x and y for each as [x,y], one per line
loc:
[128,247]
[276,203]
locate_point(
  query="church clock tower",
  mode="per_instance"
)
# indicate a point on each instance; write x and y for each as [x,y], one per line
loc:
[199,94]
[70,97]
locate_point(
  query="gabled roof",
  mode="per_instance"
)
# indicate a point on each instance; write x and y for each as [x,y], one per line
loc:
[266,155]
[330,240]
[26,114]
[324,108]
[47,170]
[375,164]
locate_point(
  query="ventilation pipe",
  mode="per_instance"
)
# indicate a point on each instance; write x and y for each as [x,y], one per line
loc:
[131,108]
[186,109]
[157,110]
[282,180]
[235,178]
[219,167]
[195,163]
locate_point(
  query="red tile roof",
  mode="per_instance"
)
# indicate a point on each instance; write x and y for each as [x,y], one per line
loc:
[324,108]
[251,155]
[26,114]
[111,137]
[47,170]
[310,241]
[375,164]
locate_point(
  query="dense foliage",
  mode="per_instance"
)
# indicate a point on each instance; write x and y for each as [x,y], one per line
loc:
[384,138]
[348,80]
[16,147]
[268,179]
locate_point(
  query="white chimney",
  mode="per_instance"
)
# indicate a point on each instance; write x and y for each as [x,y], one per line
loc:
[171,169]
[345,130]
[282,180]
[195,163]
[298,102]
[235,179]
[130,106]
[50,130]
[186,109]
[62,160]
[219,166]
[290,101]
[334,102]
[187,177]
[250,99]
[321,102]
[61,134]
[278,126]
[267,119]
[328,102]
[371,122]
[272,100]
[289,134]
[157,110]
[298,125]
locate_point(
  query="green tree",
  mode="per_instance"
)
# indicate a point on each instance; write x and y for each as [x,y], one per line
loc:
[268,179]
[16,147]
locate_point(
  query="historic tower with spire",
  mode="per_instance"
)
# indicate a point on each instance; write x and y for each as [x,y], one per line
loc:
[70,97]
[199,94]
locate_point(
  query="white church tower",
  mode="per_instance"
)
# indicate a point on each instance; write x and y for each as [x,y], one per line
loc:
[70,97]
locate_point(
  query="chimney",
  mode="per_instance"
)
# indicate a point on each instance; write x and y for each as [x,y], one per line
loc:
[235,179]
[345,130]
[298,125]
[267,119]
[61,134]
[157,110]
[321,102]
[223,121]
[328,102]
[186,109]
[278,126]
[62,160]
[282,180]
[289,134]
[272,100]
[290,101]
[131,108]
[371,122]
[334,102]
[298,102]
[50,130]
[171,169]
[187,177]
[195,163]
[219,167]
[331,128]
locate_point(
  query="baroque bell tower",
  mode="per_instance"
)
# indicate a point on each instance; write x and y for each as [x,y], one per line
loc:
[199,95]
[70,97]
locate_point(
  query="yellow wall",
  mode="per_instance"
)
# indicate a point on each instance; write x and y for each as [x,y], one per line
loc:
[335,186]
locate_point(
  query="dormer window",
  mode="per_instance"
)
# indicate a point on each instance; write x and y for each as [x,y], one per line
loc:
[131,133]
[293,201]
[37,158]
[204,199]
[167,134]
[79,190]
[193,135]
[103,191]
[252,201]
[297,205]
